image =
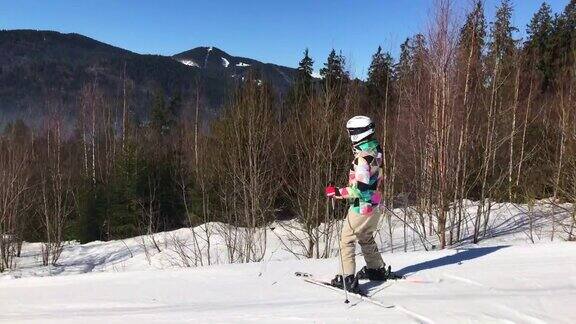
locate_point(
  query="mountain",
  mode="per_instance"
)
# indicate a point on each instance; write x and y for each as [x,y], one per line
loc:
[41,71]
[214,59]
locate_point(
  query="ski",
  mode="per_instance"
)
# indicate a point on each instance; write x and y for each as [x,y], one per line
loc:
[361,296]
[412,279]
[307,277]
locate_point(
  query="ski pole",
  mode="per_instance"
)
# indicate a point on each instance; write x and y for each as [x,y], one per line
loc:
[346,301]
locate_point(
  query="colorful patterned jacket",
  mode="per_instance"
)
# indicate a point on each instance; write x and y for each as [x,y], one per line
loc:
[364,177]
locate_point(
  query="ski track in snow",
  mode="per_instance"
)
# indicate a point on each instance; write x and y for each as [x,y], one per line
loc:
[420,318]
[525,318]
[503,280]
[468,281]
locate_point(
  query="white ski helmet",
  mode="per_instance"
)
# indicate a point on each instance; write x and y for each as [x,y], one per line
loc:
[359,128]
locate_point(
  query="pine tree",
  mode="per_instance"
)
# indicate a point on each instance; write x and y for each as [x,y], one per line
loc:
[158,115]
[402,70]
[175,107]
[123,195]
[412,61]
[564,38]
[539,43]
[305,67]
[333,71]
[162,114]
[502,46]
[303,86]
[473,33]
[420,50]
[471,45]
[380,76]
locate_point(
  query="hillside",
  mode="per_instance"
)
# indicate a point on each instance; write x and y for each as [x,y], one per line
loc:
[42,71]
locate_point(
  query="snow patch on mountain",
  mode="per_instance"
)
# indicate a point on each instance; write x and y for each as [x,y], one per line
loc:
[207,55]
[242,64]
[189,63]
[225,62]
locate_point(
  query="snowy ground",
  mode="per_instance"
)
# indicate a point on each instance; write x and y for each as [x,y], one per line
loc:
[505,279]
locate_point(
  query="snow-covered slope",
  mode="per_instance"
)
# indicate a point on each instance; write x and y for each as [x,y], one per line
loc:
[505,279]
[499,284]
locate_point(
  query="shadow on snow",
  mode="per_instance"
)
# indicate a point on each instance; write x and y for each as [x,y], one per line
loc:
[457,258]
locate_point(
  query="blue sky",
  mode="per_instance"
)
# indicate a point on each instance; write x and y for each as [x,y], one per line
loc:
[275,31]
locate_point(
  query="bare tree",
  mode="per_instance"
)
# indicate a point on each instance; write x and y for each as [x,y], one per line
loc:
[55,194]
[15,175]
[246,134]
[441,138]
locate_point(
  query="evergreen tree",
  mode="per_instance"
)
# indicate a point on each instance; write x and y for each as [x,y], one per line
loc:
[471,44]
[305,69]
[564,38]
[91,210]
[420,50]
[402,70]
[502,46]
[162,116]
[122,192]
[380,76]
[175,107]
[333,71]
[502,62]
[539,43]
[412,61]
[473,33]
[303,86]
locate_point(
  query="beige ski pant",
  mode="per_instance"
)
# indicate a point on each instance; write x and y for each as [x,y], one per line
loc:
[360,228]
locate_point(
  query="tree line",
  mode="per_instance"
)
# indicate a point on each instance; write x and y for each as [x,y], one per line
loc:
[465,112]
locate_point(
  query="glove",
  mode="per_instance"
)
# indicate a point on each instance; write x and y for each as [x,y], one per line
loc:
[332,191]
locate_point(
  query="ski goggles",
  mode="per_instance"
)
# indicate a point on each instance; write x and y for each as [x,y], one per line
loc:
[360,130]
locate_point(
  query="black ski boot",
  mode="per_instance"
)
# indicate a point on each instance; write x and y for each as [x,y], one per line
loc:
[351,283]
[381,274]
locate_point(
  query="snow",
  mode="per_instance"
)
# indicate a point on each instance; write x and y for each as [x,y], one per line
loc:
[207,55]
[225,62]
[189,63]
[316,75]
[504,279]
[242,64]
